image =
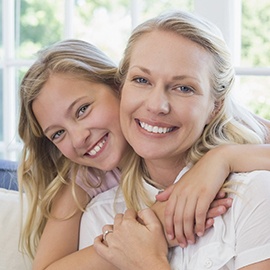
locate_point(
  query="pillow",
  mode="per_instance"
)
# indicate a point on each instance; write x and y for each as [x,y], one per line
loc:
[10,257]
[8,174]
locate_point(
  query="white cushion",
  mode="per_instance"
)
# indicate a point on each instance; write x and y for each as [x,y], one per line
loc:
[10,257]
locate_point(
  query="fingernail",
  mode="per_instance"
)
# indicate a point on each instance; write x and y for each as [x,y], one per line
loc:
[200,234]
[170,236]
[182,245]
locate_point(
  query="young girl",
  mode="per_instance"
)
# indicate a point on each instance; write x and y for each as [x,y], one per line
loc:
[73,150]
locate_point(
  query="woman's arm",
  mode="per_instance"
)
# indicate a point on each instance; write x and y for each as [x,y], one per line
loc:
[132,245]
[190,198]
[59,242]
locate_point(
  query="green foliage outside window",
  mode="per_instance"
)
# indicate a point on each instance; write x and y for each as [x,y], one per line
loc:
[256,33]
[39,24]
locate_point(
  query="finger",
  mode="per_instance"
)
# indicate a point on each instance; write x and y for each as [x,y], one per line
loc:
[149,218]
[216,211]
[169,216]
[209,223]
[226,202]
[189,219]
[107,227]
[164,195]
[200,215]
[100,247]
[221,194]
[178,221]
[118,219]
[130,214]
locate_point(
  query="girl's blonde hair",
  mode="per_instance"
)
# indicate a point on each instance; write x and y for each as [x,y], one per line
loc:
[43,169]
[231,125]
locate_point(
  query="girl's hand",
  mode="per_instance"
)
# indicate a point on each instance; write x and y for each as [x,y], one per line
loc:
[189,209]
[133,245]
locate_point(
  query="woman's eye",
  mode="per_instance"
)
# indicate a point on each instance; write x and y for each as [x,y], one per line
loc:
[185,89]
[82,110]
[141,80]
[57,135]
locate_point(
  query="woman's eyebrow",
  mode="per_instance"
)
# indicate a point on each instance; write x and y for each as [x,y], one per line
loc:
[143,69]
[175,78]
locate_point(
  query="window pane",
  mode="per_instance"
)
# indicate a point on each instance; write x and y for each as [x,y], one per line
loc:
[108,25]
[38,24]
[152,8]
[253,92]
[1,106]
[1,31]
[255,33]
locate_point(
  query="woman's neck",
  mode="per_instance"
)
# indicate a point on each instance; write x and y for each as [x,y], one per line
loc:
[163,172]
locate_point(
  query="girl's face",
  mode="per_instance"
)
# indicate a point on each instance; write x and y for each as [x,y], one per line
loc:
[166,100]
[82,119]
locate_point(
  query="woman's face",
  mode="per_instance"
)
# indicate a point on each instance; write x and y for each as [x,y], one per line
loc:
[166,100]
[82,119]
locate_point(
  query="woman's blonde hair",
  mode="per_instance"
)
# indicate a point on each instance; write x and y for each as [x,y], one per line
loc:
[231,125]
[43,169]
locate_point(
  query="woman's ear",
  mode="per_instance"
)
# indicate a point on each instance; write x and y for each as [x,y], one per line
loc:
[218,105]
[216,109]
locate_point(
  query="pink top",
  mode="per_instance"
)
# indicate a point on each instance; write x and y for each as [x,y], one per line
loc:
[111,180]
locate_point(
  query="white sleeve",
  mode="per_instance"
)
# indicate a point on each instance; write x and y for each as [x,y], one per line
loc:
[99,212]
[253,220]
[88,228]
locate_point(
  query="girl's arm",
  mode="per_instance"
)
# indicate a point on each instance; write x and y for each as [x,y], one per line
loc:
[264,265]
[58,247]
[190,198]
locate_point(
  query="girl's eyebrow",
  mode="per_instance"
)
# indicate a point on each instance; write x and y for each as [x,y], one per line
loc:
[69,109]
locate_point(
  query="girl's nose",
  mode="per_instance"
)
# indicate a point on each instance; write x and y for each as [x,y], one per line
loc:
[79,137]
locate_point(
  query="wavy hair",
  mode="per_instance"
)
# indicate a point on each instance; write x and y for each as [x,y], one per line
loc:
[231,125]
[43,169]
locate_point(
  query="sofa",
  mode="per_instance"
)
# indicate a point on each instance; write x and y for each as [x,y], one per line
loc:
[10,256]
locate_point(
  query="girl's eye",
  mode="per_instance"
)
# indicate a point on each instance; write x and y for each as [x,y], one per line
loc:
[141,80]
[82,110]
[57,135]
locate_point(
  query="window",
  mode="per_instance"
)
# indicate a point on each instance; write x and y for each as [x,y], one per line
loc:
[29,25]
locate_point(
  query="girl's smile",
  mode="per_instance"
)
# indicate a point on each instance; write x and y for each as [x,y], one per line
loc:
[82,119]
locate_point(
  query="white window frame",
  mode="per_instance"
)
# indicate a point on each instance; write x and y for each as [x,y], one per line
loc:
[224,13]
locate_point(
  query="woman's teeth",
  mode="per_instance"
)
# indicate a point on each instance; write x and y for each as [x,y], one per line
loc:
[155,129]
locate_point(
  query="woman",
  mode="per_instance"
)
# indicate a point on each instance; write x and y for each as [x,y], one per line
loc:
[73,149]
[172,117]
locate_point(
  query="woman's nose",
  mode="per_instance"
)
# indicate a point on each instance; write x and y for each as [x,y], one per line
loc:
[157,101]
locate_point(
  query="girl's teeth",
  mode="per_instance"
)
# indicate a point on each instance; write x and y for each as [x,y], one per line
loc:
[97,148]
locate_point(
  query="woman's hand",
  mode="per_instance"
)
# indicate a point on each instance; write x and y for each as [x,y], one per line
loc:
[137,242]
